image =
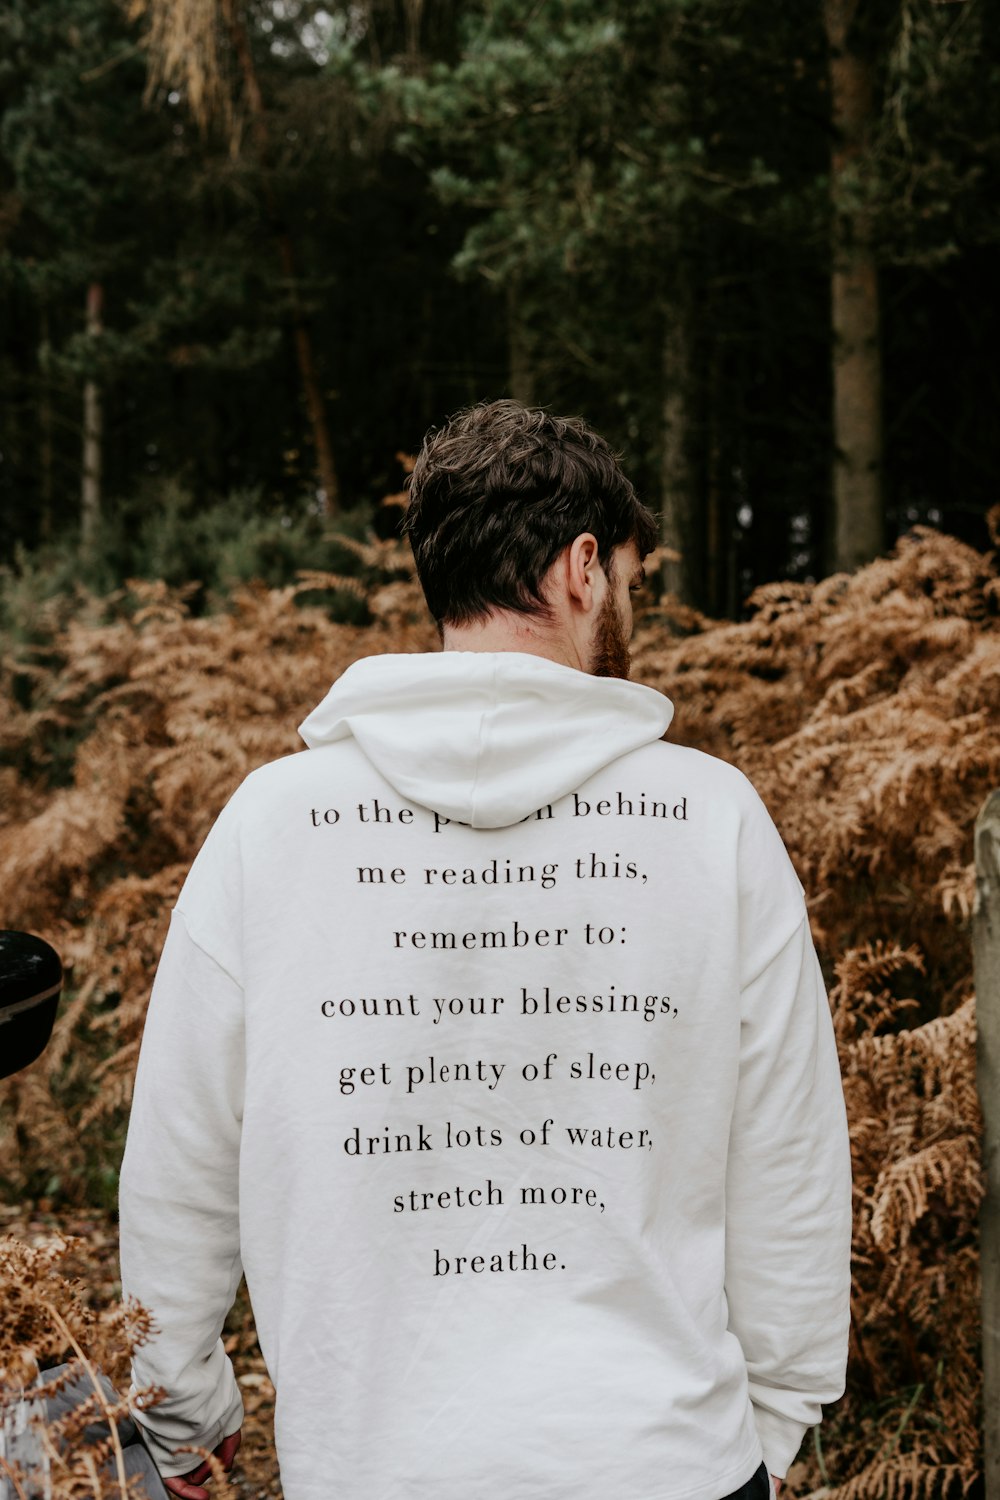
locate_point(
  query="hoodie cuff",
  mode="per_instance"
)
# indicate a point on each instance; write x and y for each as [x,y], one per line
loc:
[170,1455]
[781,1439]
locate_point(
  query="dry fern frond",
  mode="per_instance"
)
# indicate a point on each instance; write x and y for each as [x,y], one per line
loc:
[47,1324]
[946,1171]
[47,1314]
[861,999]
[956,890]
[906,1478]
[311,580]
[388,555]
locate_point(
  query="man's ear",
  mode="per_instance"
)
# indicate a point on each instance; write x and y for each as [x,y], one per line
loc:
[583,564]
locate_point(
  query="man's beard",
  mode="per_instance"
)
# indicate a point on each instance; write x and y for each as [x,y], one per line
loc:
[611,655]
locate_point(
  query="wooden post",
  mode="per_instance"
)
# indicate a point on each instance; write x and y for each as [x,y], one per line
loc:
[986,950]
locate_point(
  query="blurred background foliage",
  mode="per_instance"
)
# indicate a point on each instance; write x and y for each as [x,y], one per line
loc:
[251,249]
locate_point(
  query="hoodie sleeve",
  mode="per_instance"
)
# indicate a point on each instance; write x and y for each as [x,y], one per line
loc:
[788,1197]
[179,1211]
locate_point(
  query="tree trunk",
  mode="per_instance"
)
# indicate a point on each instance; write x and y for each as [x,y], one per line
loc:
[326,470]
[521,374]
[412,13]
[46,447]
[859,512]
[719,539]
[90,487]
[681,528]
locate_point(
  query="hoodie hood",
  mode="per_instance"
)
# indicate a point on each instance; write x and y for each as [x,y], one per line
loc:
[485,738]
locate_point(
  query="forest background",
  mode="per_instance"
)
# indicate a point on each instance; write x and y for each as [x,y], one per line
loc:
[249,251]
[252,249]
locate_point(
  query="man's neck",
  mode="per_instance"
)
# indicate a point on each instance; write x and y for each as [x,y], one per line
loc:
[509,631]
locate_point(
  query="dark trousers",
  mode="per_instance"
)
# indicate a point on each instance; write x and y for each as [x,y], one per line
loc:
[139,1466]
[757,1487]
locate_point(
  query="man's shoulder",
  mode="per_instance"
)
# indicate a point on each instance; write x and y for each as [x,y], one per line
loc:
[296,771]
[664,757]
[664,767]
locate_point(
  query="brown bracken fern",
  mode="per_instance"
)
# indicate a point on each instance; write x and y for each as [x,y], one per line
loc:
[865,709]
[48,1322]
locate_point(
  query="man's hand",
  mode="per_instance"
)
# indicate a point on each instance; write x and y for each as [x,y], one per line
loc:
[777,1484]
[192,1486]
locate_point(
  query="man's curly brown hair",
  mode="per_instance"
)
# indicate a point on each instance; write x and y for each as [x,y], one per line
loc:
[495,496]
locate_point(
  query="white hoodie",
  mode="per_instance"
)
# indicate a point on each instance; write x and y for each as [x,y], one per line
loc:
[489,1041]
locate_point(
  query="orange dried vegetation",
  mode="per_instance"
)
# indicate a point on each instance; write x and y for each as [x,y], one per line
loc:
[865,709]
[48,1321]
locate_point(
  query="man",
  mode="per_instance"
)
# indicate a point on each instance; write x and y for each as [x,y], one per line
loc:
[489,1040]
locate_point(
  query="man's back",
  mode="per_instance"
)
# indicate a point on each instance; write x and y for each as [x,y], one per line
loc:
[529,1134]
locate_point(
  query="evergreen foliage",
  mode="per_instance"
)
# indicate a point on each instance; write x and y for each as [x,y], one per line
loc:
[164,535]
[620,210]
